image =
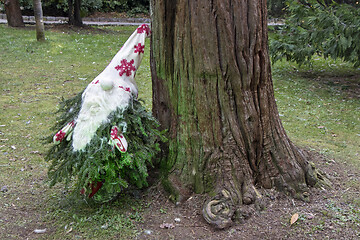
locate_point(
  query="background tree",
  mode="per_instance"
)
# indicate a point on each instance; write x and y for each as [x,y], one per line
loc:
[13,13]
[40,31]
[316,27]
[212,90]
[74,13]
[276,8]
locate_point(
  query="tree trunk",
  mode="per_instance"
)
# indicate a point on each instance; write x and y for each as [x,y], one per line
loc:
[40,31]
[74,13]
[13,13]
[71,12]
[212,90]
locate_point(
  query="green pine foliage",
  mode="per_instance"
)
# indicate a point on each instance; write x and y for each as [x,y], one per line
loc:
[99,161]
[316,28]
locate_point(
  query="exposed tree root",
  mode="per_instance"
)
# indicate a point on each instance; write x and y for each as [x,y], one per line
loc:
[219,210]
[321,178]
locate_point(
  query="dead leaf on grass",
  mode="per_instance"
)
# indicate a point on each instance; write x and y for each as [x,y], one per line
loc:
[294,218]
[40,230]
[310,216]
[167,226]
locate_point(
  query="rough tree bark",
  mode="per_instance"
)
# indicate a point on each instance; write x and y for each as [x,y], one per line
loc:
[74,13]
[13,13]
[213,91]
[38,13]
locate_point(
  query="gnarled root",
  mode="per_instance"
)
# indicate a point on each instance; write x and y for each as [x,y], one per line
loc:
[317,177]
[219,210]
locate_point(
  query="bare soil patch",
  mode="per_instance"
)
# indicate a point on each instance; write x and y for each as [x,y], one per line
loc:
[330,214]
[116,15]
[85,29]
[348,84]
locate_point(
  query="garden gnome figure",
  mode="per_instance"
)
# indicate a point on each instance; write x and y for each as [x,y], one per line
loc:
[91,150]
[111,90]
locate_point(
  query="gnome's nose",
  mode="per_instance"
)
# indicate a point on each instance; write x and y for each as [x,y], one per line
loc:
[106,84]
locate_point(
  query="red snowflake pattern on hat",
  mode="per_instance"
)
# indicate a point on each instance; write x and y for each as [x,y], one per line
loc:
[126,89]
[60,136]
[139,48]
[114,132]
[144,28]
[125,67]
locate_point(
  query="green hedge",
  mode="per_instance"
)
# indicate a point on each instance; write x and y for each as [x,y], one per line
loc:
[60,7]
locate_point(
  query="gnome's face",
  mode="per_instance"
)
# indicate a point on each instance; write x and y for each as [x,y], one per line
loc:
[110,90]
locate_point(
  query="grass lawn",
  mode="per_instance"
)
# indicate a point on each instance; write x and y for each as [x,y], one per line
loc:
[319,108]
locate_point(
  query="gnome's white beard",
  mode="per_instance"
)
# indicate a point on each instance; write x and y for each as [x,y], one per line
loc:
[97,104]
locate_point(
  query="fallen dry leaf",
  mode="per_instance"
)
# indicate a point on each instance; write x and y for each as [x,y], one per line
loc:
[167,225]
[294,218]
[40,230]
[310,216]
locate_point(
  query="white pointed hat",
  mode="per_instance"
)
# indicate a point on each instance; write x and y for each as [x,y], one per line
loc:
[111,89]
[126,62]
